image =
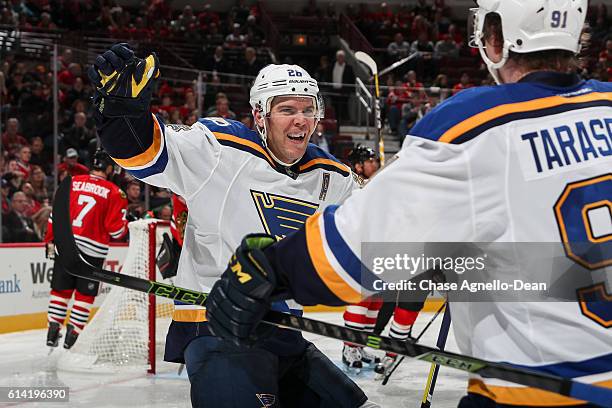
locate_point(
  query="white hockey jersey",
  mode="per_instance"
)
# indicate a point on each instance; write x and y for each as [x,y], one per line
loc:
[232,187]
[525,162]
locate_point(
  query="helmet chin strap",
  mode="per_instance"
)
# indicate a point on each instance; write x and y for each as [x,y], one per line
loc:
[494,67]
[263,133]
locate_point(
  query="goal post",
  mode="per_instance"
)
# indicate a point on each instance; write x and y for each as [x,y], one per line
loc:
[129,327]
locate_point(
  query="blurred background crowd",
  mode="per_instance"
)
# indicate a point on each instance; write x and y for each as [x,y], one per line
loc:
[209,56]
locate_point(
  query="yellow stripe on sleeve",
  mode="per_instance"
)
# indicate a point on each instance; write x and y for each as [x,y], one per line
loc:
[244,142]
[326,272]
[148,155]
[525,396]
[328,162]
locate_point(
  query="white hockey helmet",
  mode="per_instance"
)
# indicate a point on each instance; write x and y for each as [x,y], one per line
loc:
[529,26]
[283,80]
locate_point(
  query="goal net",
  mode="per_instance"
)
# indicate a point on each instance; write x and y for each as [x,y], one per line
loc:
[129,326]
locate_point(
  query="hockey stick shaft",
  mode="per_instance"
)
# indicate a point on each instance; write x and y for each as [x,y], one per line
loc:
[416,339]
[371,64]
[435,368]
[381,141]
[70,258]
[397,64]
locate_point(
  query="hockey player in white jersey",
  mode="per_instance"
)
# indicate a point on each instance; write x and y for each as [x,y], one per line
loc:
[234,180]
[527,160]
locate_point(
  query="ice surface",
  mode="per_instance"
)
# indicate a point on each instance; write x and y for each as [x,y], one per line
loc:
[24,361]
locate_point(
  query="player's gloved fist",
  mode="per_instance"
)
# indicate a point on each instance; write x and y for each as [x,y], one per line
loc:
[240,299]
[124,82]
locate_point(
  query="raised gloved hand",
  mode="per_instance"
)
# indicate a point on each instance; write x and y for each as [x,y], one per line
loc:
[124,82]
[241,298]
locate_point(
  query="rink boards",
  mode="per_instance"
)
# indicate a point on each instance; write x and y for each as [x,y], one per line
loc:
[25,278]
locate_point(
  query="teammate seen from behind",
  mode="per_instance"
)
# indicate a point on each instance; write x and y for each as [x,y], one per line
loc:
[97,210]
[526,161]
[234,181]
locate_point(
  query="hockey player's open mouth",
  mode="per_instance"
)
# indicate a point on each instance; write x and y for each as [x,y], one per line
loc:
[298,137]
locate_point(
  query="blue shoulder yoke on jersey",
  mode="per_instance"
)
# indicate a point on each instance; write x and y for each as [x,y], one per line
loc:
[235,134]
[472,111]
[317,158]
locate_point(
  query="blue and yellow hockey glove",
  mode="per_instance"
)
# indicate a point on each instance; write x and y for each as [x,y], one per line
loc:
[124,82]
[242,296]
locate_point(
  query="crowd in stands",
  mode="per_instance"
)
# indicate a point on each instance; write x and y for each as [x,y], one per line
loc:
[26,102]
[443,66]
[442,62]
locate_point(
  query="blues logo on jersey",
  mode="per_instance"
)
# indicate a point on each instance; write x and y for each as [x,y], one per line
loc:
[281,215]
[268,400]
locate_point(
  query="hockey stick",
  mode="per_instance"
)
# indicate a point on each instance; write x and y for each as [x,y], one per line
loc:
[371,64]
[414,340]
[397,64]
[435,368]
[75,264]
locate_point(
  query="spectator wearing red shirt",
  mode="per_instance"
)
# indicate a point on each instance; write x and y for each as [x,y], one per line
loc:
[605,59]
[139,31]
[65,59]
[221,109]
[167,105]
[190,103]
[33,206]
[191,118]
[464,83]
[382,16]
[165,89]
[207,17]
[71,165]
[67,77]
[6,188]
[46,22]
[12,140]
[403,17]
[413,87]
[159,10]
[23,161]
[397,97]
[456,35]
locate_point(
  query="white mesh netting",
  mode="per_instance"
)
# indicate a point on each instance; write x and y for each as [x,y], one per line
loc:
[118,338]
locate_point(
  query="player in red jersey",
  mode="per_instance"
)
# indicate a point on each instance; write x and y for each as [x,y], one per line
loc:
[179,218]
[97,210]
[366,315]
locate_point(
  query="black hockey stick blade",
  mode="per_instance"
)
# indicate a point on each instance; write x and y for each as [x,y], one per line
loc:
[74,263]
